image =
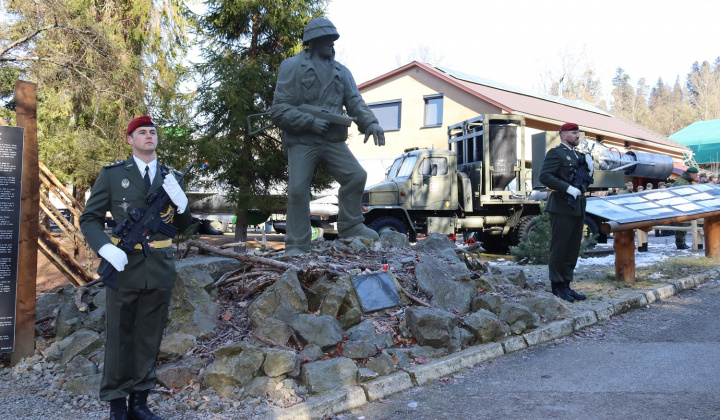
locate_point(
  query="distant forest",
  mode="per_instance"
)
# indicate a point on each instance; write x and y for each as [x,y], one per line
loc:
[663,107]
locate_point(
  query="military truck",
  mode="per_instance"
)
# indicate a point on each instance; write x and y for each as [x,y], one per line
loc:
[482,183]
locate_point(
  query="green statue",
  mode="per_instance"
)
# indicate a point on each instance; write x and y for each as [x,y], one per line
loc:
[311,93]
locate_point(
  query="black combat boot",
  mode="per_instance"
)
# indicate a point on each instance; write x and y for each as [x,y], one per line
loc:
[118,409]
[559,290]
[682,246]
[575,295]
[138,409]
[643,247]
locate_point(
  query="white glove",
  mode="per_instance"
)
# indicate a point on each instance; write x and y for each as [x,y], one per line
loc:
[573,191]
[589,160]
[114,256]
[175,193]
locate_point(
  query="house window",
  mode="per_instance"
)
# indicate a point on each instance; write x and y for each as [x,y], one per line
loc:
[388,114]
[433,110]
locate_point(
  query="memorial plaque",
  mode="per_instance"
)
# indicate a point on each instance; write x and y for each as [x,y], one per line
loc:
[11,151]
[655,205]
[376,291]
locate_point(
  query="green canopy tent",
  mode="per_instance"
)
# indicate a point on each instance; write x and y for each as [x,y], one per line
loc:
[703,137]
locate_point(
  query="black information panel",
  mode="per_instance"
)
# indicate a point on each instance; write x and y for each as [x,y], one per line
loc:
[657,204]
[11,150]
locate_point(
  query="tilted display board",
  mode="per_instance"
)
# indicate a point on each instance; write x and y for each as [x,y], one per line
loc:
[658,204]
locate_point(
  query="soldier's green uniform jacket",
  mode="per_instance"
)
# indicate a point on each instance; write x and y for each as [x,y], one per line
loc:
[120,188]
[559,164]
[684,179]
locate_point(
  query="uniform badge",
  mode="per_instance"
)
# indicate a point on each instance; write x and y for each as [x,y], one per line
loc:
[125,183]
[568,157]
[124,206]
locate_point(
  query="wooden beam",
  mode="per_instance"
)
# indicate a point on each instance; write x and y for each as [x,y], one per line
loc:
[612,226]
[624,244]
[712,236]
[26,111]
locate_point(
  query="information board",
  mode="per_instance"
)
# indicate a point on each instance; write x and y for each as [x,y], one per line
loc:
[11,152]
[656,204]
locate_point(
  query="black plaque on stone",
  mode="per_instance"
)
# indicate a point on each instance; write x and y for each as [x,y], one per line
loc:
[11,151]
[376,291]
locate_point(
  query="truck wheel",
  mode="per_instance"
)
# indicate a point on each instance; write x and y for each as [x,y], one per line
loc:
[523,229]
[388,223]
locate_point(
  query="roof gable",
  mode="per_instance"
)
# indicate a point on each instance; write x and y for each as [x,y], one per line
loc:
[515,100]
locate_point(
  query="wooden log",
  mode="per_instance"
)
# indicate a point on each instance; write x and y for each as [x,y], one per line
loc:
[66,264]
[712,236]
[624,244]
[242,257]
[26,111]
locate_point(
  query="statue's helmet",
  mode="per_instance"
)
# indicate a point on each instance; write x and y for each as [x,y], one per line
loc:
[317,28]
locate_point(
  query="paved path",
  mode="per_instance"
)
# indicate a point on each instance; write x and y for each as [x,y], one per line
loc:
[659,362]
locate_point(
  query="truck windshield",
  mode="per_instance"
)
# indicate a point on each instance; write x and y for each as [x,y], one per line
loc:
[406,167]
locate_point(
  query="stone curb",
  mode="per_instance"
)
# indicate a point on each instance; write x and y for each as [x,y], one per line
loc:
[347,399]
[439,368]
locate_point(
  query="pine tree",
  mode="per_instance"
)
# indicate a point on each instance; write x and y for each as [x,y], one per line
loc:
[245,42]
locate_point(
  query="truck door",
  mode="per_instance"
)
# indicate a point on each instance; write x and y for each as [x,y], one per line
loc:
[432,184]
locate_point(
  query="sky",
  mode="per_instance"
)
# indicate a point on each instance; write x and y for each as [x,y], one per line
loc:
[514,42]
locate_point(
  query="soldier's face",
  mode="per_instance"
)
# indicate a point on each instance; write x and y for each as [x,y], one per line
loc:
[324,46]
[571,138]
[143,139]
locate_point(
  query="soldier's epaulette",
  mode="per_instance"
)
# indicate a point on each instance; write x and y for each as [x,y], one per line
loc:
[116,163]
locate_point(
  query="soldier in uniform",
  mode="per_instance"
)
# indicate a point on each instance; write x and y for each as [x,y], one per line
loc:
[686,178]
[566,223]
[314,78]
[702,178]
[137,312]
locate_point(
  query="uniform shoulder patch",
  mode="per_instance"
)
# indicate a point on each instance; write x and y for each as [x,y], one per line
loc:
[116,163]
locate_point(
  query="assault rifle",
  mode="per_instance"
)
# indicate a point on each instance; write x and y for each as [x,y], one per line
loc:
[580,178]
[137,227]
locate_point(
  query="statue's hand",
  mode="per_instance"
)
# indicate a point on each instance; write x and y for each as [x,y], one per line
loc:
[377,132]
[320,126]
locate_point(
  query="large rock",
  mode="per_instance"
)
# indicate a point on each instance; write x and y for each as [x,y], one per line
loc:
[358,350]
[431,327]
[383,364]
[454,295]
[178,374]
[283,300]
[82,343]
[488,302]
[519,317]
[272,329]
[431,272]
[486,326]
[235,366]
[392,239]
[516,276]
[365,331]
[45,304]
[435,242]
[547,306]
[87,385]
[322,330]
[95,320]
[329,375]
[175,344]
[80,366]
[278,362]
[192,309]
[333,299]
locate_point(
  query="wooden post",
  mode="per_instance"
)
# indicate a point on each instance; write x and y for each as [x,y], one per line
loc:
[712,236]
[624,244]
[26,111]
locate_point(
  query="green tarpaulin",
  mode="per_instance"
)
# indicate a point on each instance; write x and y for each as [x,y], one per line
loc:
[703,137]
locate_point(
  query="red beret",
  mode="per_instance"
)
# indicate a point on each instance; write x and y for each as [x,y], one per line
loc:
[143,121]
[569,127]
